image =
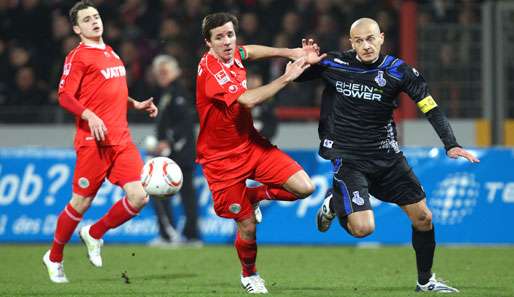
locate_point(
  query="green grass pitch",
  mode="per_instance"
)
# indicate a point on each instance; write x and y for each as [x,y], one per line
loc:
[131,270]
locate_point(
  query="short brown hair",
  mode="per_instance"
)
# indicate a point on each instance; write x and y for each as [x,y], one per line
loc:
[216,20]
[76,8]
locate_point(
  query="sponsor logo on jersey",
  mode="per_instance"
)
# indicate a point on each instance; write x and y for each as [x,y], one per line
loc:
[83,182]
[380,80]
[106,54]
[357,199]
[113,72]
[416,73]
[359,91]
[234,208]
[339,61]
[66,69]
[328,143]
[222,77]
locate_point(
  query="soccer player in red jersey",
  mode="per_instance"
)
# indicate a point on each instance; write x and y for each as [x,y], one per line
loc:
[230,150]
[93,87]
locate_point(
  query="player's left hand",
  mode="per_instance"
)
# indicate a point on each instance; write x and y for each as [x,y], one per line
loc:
[457,152]
[147,106]
[310,51]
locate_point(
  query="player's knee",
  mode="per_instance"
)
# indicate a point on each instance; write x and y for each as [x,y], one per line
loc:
[80,204]
[247,231]
[138,199]
[361,230]
[305,189]
[423,221]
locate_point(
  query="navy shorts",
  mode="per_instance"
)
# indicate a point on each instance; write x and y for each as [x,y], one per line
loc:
[390,180]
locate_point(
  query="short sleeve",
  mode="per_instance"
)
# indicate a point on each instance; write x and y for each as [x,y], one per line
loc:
[242,53]
[72,74]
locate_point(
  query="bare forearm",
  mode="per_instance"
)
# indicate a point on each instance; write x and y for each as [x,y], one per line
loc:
[131,102]
[256,96]
[256,52]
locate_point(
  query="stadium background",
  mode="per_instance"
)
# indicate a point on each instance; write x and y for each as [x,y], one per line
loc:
[463,48]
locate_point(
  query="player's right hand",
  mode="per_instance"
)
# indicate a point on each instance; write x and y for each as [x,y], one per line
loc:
[295,69]
[96,125]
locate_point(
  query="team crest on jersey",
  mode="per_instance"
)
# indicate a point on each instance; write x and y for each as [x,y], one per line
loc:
[380,80]
[357,199]
[83,182]
[328,143]
[234,208]
[66,69]
[222,77]
[232,89]
[106,54]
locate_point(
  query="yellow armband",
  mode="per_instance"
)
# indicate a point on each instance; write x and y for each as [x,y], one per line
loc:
[427,104]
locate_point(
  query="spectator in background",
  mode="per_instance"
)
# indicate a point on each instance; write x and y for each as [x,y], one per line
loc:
[291,28]
[175,133]
[326,32]
[264,118]
[26,90]
[4,72]
[135,67]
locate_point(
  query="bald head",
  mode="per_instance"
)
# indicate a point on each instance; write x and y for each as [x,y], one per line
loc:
[364,24]
[366,39]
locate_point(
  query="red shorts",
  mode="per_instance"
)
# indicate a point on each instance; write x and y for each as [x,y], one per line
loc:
[119,163]
[227,178]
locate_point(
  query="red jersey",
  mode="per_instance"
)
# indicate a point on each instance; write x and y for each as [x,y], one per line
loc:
[226,127]
[95,75]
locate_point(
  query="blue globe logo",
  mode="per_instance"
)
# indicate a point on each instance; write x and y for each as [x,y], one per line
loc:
[454,198]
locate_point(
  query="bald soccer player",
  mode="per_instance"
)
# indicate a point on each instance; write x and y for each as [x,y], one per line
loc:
[358,135]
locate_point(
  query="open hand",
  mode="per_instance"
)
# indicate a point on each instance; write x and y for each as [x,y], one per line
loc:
[295,69]
[96,125]
[147,106]
[310,51]
[457,152]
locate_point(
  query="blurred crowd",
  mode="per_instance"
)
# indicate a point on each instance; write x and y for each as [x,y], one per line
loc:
[35,36]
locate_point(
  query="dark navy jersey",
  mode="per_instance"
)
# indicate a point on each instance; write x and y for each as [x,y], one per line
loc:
[356,120]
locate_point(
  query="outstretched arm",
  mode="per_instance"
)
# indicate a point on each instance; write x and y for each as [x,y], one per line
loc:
[444,131]
[309,50]
[253,97]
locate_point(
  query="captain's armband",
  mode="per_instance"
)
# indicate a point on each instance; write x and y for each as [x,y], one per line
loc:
[427,104]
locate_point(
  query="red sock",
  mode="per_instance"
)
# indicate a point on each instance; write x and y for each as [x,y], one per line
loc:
[119,213]
[264,192]
[247,252]
[66,224]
